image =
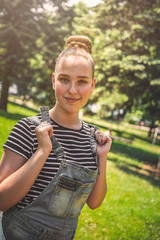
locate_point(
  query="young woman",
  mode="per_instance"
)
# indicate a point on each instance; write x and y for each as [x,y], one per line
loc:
[44,184]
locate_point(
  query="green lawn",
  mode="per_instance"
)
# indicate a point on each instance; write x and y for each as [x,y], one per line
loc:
[131,209]
[8,120]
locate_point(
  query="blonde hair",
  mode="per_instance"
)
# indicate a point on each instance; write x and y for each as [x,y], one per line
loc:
[79,41]
[78,45]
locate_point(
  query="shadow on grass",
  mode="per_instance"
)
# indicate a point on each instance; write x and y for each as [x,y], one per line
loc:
[12,116]
[133,169]
[128,135]
[23,106]
[131,151]
[16,116]
[132,136]
[150,178]
[149,174]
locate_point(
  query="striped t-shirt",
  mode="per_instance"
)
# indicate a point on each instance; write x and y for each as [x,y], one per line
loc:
[76,145]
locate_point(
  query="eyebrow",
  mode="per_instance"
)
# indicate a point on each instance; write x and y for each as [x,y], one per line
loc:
[83,77]
[65,75]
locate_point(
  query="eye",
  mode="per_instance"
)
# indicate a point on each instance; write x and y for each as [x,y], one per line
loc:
[82,81]
[64,80]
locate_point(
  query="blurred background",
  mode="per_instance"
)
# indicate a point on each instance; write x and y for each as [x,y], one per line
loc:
[125,104]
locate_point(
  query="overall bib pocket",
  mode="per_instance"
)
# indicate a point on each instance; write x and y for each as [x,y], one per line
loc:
[69,197]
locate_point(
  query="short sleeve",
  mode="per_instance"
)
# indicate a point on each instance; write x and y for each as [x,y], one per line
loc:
[21,139]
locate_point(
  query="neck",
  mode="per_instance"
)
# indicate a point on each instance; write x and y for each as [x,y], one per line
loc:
[65,119]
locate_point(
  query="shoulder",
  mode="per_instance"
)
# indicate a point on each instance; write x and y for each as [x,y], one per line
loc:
[22,137]
[34,120]
[88,126]
[28,122]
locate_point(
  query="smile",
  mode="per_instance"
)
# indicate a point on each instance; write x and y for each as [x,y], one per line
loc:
[72,100]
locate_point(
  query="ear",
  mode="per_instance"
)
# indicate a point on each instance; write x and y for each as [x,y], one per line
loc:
[93,85]
[53,81]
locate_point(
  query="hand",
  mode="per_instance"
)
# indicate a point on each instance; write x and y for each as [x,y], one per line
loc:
[104,144]
[44,132]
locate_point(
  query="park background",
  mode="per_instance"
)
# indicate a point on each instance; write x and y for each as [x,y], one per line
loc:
[126,48]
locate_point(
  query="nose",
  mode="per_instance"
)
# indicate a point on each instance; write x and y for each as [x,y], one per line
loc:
[73,89]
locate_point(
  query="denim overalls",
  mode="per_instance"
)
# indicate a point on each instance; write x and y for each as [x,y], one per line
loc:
[53,215]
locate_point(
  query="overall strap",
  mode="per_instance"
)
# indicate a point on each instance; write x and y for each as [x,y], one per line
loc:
[57,148]
[93,143]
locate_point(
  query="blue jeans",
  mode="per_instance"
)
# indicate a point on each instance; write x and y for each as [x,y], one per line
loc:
[54,214]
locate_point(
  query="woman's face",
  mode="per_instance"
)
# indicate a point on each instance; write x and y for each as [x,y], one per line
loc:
[73,83]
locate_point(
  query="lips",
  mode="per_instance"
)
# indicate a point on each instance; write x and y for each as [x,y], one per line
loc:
[72,100]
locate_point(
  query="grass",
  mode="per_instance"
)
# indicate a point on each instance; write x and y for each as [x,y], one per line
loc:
[131,209]
[9,119]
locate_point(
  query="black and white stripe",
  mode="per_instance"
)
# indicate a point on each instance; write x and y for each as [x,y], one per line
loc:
[76,145]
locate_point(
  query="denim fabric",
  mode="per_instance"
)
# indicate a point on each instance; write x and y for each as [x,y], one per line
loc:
[1,230]
[53,215]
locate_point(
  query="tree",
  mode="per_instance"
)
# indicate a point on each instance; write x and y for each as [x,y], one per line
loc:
[18,33]
[30,38]
[126,52]
[56,26]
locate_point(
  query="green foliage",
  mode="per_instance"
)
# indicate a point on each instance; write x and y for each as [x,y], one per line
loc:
[126,53]
[56,27]
[19,30]
[126,49]
[134,117]
[31,38]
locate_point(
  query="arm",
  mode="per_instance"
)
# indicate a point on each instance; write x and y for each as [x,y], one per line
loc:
[99,190]
[18,176]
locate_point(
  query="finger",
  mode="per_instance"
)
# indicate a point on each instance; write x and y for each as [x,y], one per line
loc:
[98,135]
[43,124]
[106,139]
[102,138]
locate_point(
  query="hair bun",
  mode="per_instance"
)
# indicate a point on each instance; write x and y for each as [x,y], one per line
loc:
[79,41]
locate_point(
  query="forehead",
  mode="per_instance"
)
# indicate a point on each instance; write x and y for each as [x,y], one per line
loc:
[74,64]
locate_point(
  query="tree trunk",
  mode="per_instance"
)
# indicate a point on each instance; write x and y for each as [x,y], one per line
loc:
[4,95]
[150,130]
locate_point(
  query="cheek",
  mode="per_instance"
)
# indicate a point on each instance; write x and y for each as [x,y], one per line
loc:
[59,90]
[86,92]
